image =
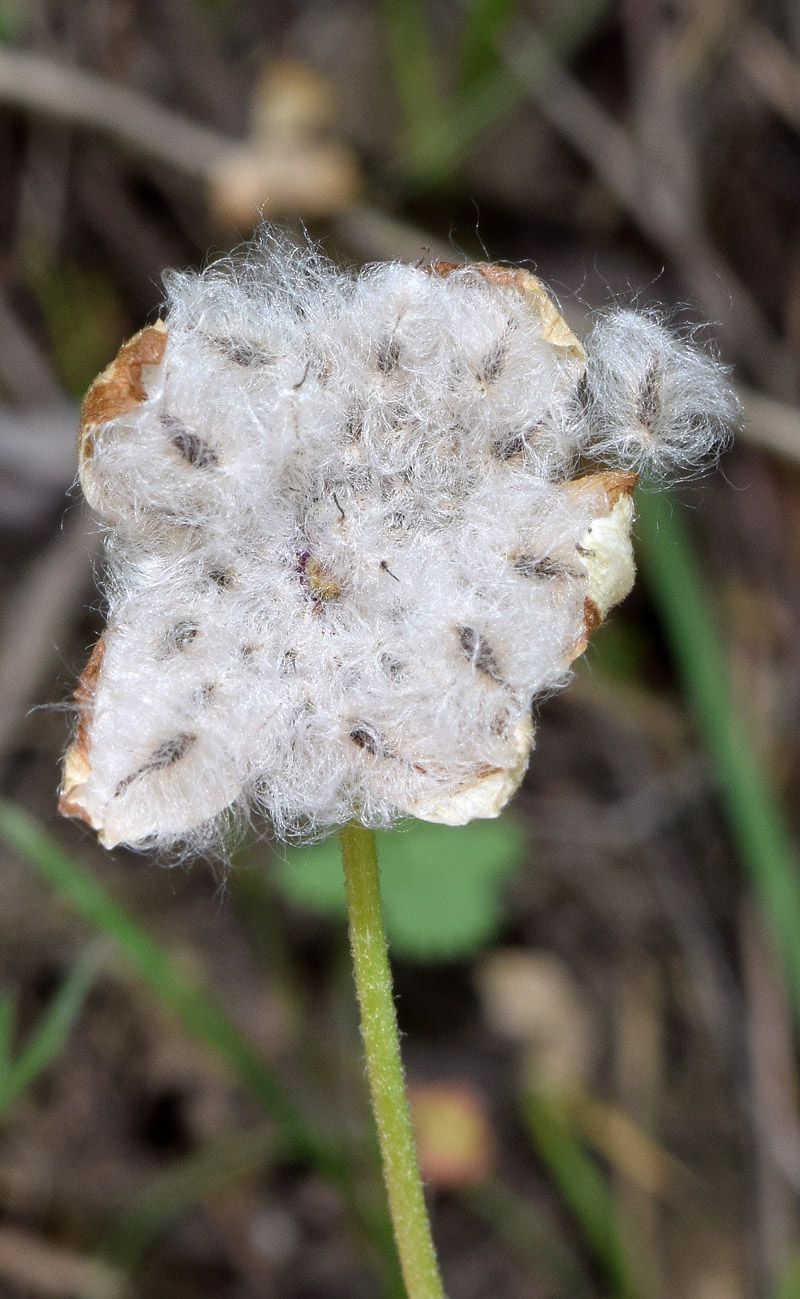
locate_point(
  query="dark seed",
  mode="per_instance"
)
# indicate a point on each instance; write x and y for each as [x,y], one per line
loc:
[179,636]
[648,401]
[288,663]
[222,577]
[391,666]
[388,356]
[506,448]
[242,353]
[353,427]
[367,740]
[500,723]
[493,364]
[479,652]
[190,445]
[166,755]
[530,566]
[321,366]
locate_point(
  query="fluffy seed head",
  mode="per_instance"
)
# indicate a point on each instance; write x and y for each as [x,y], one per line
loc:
[346,551]
[655,402]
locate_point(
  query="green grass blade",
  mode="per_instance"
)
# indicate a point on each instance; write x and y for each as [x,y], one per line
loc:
[582,1187]
[198,1014]
[750,802]
[533,1237]
[217,1165]
[787,1285]
[440,145]
[49,1036]
[440,139]
[484,24]
[414,68]
[8,1024]
[196,1011]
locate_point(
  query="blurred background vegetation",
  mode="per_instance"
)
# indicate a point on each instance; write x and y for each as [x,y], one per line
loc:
[600,992]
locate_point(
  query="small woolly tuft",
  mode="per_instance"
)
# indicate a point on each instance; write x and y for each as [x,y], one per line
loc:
[346,552]
[655,402]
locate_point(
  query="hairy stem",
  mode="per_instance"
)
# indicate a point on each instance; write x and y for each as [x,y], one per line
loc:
[384,1066]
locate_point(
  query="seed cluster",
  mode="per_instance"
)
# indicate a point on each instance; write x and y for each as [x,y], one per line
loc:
[346,551]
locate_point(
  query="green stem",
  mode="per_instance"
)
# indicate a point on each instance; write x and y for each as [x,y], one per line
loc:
[384,1066]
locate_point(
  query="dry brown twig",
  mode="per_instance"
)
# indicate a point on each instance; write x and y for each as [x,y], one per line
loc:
[52,1272]
[35,615]
[773,1083]
[657,208]
[286,167]
[771,71]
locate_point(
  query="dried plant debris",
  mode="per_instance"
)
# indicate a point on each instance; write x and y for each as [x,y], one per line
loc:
[310,474]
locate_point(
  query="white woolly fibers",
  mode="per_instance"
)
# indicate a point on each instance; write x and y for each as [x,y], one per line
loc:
[655,402]
[345,552]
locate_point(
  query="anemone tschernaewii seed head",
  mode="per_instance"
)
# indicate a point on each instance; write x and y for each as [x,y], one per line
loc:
[346,548]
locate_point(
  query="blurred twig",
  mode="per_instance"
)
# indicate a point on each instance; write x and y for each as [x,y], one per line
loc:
[639,1083]
[770,424]
[659,211]
[299,173]
[440,130]
[771,70]
[35,614]
[44,88]
[23,368]
[773,1083]
[531,1234]
[37,1268]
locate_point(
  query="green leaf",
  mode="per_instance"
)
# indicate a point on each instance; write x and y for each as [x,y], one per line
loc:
[440,885]
[8,1024]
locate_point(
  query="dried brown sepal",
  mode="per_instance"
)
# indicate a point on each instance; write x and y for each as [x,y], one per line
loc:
[605,487]
[77,764]
[605,549]
[591,617]
[120,387]
[555,329]
[486,791]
